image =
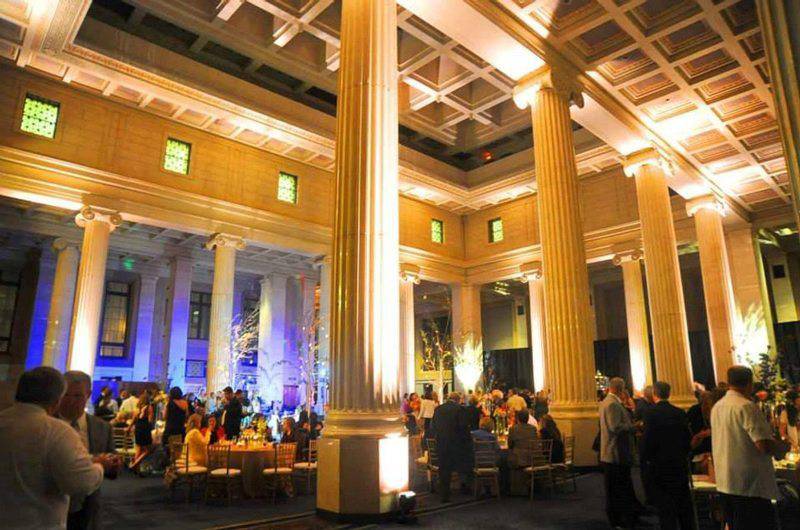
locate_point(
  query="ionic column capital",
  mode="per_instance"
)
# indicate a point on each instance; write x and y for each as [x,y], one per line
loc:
[62,243]
[709,202]
[644,157]
[409,273]
[224,240]
[627,256]
[547,78]
[531,271]
[323,261]
[89,213]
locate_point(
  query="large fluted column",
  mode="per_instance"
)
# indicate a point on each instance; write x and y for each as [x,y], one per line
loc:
[466,310]
[664,287]
[85,331]
[362,459]
[717,288]
[219,330]
[145,309]
[636,318]
[56,342]
[570,352]
[272,336]
[177,319]
[409,277]
[532,274]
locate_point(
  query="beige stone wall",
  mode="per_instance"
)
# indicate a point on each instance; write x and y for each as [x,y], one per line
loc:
[415,228]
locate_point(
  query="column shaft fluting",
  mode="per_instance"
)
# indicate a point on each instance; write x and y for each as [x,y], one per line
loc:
[271,337]
[717,288]
[177,324]
[145,312]
[536,299]
[364,334]
[324,335]
[664,286]
[570,353]
[90,288]
[219,331]
[407,335]
[56,342]
[636,319]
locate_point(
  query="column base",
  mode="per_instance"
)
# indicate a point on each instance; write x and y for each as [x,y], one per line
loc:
[362,467]
[580,420]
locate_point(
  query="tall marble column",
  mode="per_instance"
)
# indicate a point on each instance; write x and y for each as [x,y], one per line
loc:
[324,333]
[717,289]
[145,307]
[664,287]
[466,312]
[90,287]
[409,277]
[271,337]
[363,459]
[177,319]
[56,342]
[570,352]
[636,318]
[219,331]
[532,274]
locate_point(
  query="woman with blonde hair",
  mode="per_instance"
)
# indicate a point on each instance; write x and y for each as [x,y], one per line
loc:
[196,442]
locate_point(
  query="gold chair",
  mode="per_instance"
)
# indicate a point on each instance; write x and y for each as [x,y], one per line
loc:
[221,476]
[433,463]
[308,468]
[486,469]
[565,471]
[541,452]
[279,474]
[123,444]
[184,470]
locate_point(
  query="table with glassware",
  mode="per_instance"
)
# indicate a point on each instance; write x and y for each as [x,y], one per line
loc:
[252,458]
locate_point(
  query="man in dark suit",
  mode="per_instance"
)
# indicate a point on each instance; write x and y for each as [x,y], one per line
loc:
[665,447]
[96,435]
[232,415]
[450,427]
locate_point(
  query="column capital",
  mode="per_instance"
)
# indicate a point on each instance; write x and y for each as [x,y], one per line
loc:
[626,256]
[323,261]
[709,202]
[547,78]
[531,271]
[90,213]
[63,243]
[643,157]
[409,273]
[224,240]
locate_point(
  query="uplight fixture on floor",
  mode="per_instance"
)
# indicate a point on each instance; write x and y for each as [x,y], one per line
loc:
[406,502]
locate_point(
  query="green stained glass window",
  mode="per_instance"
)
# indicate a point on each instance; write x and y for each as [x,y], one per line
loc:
[39,116]
[176,156]
[437,231]
[495,230]
[287,188]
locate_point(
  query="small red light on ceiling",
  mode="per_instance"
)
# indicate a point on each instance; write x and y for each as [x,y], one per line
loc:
[487,156]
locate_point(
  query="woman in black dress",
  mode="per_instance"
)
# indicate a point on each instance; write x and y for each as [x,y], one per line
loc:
[175,416]
[143,429]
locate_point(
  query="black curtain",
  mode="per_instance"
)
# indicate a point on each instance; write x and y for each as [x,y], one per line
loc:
[511,368]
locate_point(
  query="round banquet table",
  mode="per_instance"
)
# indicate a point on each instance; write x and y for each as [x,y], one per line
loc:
[252,459]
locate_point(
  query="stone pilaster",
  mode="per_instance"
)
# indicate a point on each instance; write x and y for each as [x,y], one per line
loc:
[177,319]
[664,287]
[56,342]
[409,277]
[717,289]
[271,337]
[219,332]
[145,308]
[90,287]
[362,458]
[636,318]
[570,353]
[532,274]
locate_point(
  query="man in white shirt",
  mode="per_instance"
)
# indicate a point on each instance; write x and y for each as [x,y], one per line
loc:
[743,447]
[42,459]
[129,404]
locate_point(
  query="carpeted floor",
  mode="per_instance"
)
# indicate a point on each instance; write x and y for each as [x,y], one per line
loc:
[136,503]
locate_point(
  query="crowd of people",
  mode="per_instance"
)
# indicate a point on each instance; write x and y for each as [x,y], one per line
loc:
[725,436]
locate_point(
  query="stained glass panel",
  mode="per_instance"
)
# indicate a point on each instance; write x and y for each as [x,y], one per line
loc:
[39,116]
[287,188]
[176,156]
[437,231]
[495,230]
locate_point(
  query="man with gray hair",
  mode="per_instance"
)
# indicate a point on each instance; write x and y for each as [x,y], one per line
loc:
[616,457]
[42,460]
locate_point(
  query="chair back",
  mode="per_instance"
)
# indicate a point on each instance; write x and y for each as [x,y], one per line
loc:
[122,439]
[485,453]
[312,450]
[541,452]
[569,449]
[177,451]
[285,455]
[433,455]
[219,457]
